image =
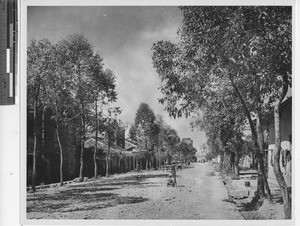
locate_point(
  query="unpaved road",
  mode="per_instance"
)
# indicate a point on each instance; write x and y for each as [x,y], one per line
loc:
[199,195]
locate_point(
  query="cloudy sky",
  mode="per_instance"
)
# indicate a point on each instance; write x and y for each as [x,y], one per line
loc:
[124,36]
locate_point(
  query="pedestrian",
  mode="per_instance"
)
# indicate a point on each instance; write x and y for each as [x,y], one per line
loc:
[172,176]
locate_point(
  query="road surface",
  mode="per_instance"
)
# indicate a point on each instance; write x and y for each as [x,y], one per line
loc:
[199,195]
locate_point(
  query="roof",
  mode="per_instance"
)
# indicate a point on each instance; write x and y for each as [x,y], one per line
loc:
[129,145]
[287,102]
[114,149]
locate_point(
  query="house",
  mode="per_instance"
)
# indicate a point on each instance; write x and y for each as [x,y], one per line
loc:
[286,143]
[120,159]
[123,154]
[130,145]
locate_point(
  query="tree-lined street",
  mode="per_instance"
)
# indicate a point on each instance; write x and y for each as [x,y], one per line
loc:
[227,70]
[199,195]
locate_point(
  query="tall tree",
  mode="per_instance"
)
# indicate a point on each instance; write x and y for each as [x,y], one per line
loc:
[103,82]
[38,54]
[234,43]
[222,120]
[110,127]
[144,123]
[59,99]
[78,57]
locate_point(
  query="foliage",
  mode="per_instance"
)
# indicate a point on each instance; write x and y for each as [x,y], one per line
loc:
[186,151]
[247,46]
[237,44]
[39,53]
[69,77]
[144,129]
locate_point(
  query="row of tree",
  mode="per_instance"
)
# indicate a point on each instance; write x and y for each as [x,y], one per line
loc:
[69,77]
[151,133]
[233,64]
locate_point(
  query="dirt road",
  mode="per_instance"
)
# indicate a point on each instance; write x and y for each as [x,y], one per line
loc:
[199,195]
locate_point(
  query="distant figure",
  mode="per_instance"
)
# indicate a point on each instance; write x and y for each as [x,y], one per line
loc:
[172,177]
[179,166]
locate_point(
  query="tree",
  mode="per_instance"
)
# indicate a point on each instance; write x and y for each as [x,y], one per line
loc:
[68,77]
[38,54]
[237,44]
[186,151]
[59,99]
[104,88]
[145,118]
[132,132]
[78,58]
[168,141]
[209,49]
[110,127]
[144,129]
[222,120]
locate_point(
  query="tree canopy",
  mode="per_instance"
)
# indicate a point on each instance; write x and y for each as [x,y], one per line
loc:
[249,48]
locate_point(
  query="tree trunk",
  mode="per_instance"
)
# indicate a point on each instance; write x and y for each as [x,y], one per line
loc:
[95,163]
[260,172]
[126,164]
[119,165]
[82,150]
[81,163]
[96,143]
[35,132]
[232,156]
[133,163]
[261,162]
[236,165]
[61,156]
[147,164]
[107,160]
[277,170]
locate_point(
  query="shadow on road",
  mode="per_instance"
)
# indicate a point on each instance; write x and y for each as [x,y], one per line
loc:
[88,196]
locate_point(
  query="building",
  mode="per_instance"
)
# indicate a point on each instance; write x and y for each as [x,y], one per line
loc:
[123,154]
[286,143]
[200,157]
[48,152]
[130,145]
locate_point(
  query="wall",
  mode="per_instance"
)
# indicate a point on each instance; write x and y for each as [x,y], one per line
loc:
[286,133]
[48,162]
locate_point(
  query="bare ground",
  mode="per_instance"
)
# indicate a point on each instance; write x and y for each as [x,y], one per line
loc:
[200,195]
[252,209]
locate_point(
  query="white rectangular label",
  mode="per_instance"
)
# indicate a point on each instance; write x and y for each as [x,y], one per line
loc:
[7,60]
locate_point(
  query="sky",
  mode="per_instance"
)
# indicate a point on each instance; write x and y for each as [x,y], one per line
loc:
[123,35]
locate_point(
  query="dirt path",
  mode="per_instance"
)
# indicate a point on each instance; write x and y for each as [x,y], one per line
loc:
[198,196]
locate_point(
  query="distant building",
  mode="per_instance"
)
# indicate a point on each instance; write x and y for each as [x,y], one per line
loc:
[130,145]
[200,156]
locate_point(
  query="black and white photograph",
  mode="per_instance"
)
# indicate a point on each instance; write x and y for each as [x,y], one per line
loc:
[159,112]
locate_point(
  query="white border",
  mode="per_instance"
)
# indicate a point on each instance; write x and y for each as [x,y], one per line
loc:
[10,208]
